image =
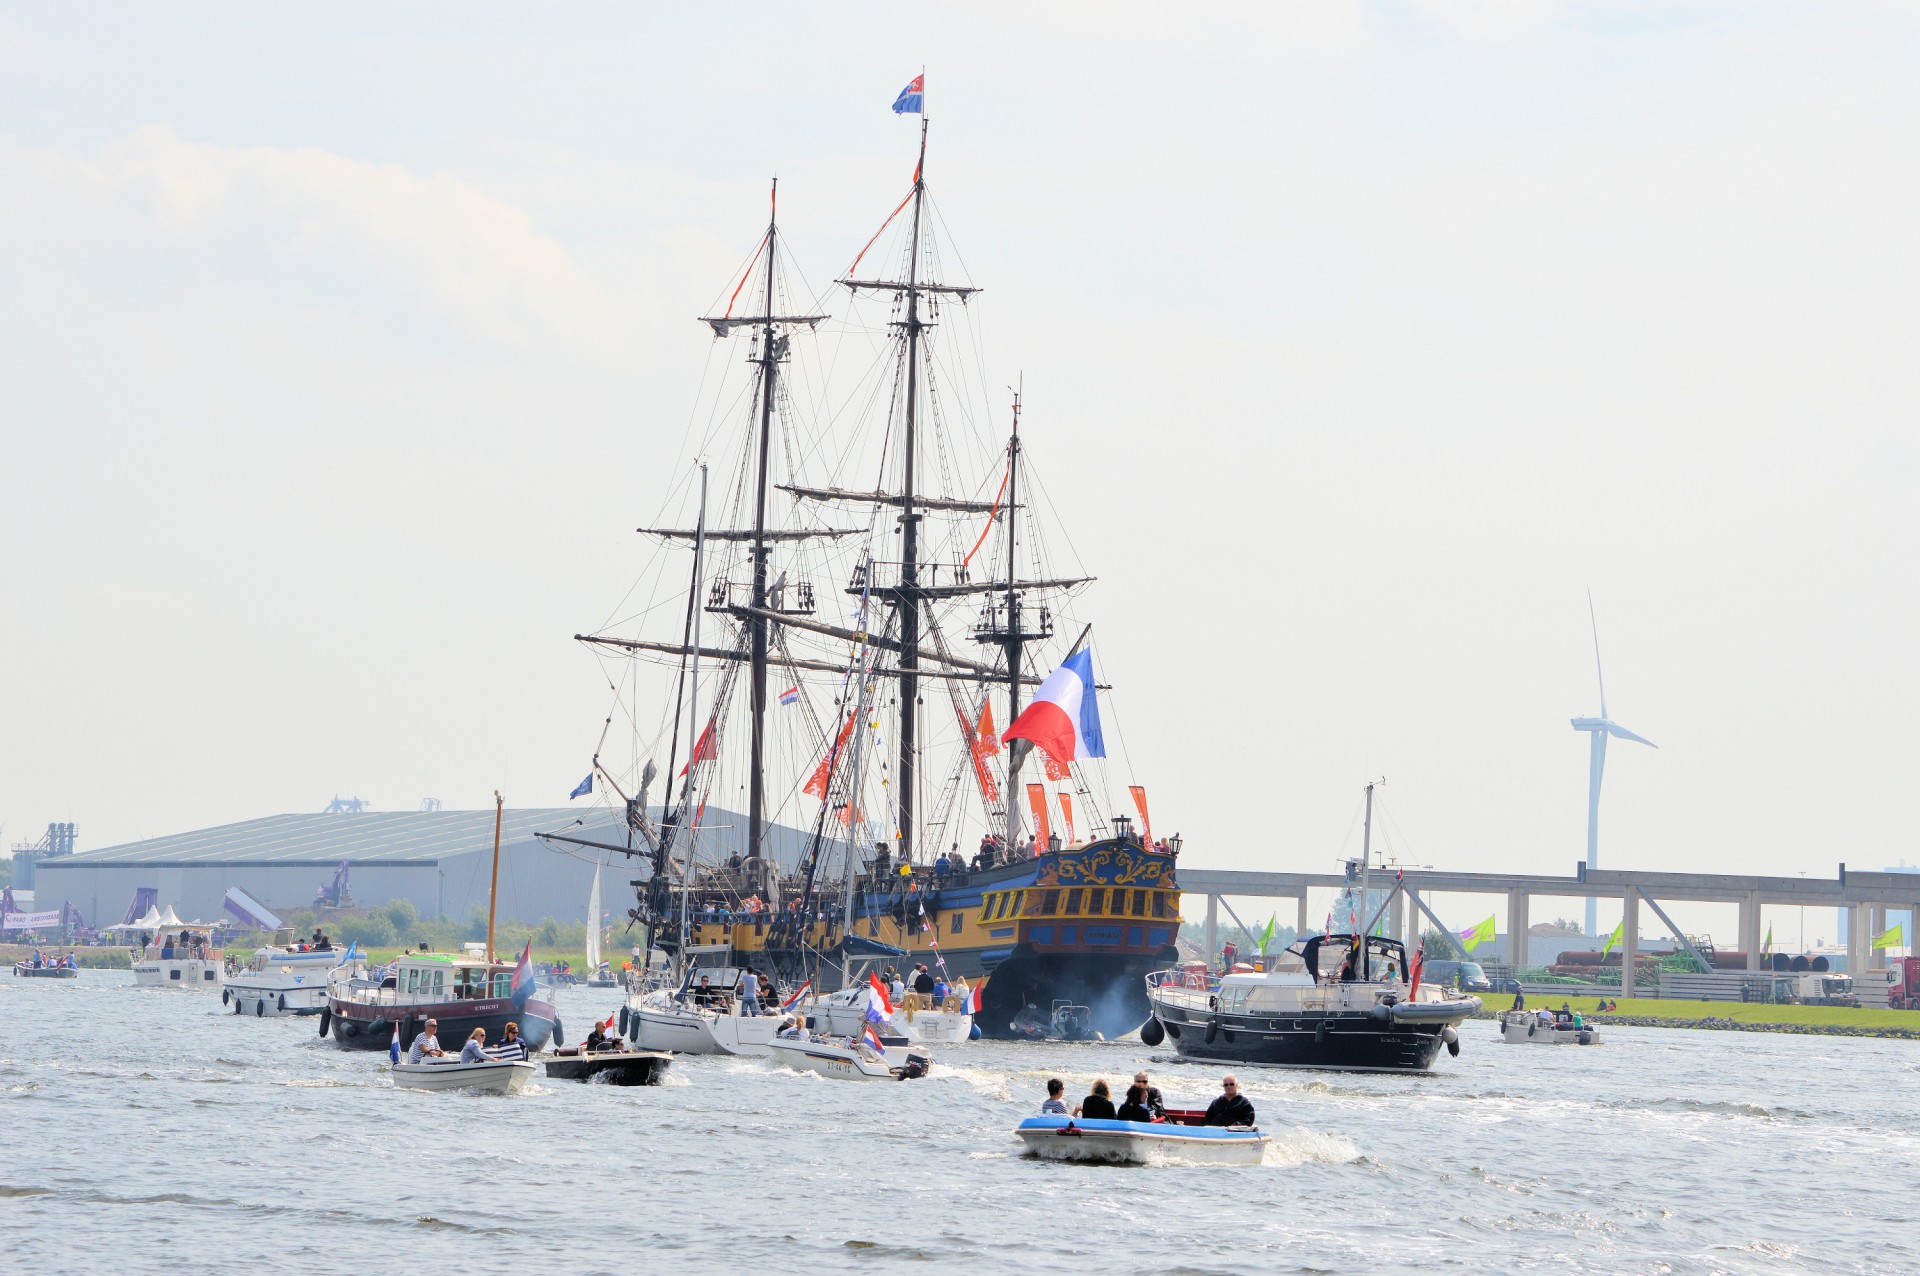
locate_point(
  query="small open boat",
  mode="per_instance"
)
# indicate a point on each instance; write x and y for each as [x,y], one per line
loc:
[25,971]
[851,1062]
[1524,1028]
[496,1076]
[1183,1136]
[609,1067]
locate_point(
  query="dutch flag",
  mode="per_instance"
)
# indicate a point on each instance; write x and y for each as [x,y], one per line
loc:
[911,97]
[977,999]
[798,993]
[790,696]
[393,1047]
[871,1037]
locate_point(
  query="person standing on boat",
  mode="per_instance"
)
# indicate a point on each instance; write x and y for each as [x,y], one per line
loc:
[1232,1107]
[475,1051]
[749,993]
[1154,1099]
[426,1043]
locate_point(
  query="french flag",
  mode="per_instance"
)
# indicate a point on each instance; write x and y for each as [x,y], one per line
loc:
[1064,718]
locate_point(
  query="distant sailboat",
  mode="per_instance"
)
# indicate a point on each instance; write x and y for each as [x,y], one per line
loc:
[599,974]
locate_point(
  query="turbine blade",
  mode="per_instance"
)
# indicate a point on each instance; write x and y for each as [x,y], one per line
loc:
[1600,673]
[1614,728]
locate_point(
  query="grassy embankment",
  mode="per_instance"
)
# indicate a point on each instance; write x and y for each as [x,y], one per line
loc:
[1684,1013]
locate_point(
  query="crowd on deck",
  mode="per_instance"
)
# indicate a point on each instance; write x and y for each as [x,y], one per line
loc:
[40,961]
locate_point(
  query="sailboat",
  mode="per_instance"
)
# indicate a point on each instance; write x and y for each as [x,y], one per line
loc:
[599,972]
[866,723]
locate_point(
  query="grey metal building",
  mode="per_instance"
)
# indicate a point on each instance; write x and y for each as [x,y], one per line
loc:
[439,860]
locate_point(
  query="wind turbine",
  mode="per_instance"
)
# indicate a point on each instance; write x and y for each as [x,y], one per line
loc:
[1598,729]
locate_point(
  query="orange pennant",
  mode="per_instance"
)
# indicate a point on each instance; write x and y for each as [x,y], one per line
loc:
[1066,813]
[1037,799]
[1139,792]
[824,772]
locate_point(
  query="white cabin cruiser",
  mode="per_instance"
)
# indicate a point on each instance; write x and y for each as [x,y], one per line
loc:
[702,1016]
[288,978]
[175,954]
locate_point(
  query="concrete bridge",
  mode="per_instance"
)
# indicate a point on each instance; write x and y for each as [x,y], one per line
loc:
[1866,896]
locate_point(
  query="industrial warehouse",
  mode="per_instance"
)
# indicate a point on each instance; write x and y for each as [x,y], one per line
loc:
[440,861]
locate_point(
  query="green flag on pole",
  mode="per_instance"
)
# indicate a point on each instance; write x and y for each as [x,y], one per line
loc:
[1619,933]
[1474,936]
[1766,949]
[1892,937]
[1266,935]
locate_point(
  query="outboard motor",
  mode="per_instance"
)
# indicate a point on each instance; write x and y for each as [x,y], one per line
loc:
[916,1066]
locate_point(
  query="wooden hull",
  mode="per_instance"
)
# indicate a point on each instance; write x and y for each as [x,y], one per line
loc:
[356,1025]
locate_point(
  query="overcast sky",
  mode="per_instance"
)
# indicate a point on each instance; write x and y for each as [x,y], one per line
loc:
[342,349]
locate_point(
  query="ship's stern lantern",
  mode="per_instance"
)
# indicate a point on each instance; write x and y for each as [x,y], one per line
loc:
[1123,828]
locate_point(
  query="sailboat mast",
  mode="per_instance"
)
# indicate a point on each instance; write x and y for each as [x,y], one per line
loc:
[493,887]
[1014,756]
[757,623]
[907,593]
[693,722]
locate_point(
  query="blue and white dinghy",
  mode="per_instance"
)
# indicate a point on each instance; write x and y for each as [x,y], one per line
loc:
[1181,1137]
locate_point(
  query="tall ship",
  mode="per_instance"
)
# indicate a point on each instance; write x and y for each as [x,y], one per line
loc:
[847,612]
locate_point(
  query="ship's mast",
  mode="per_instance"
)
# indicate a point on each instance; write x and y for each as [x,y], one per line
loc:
[757,623]
[907,593]
[1014,636]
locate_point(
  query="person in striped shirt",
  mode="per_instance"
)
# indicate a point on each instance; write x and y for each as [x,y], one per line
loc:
[511,1046]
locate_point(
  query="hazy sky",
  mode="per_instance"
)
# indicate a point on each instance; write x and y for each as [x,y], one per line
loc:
[341,350]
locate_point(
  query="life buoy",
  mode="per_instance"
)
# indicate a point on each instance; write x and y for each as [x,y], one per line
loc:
[326,1019]
[1151,1033]
[1213,1030]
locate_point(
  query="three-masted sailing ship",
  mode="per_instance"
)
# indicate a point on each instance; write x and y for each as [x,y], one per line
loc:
[867,722]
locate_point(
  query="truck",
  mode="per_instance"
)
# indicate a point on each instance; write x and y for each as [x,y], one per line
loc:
[1903,983]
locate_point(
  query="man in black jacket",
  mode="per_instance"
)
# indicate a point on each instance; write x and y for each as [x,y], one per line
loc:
[1232,1107]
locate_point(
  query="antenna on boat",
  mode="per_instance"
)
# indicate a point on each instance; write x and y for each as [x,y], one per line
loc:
[493,888]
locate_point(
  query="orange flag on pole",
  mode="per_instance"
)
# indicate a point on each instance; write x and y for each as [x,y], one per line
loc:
[1139,792]
[824,772]
[1037,799]
[981,744]
[1066,813]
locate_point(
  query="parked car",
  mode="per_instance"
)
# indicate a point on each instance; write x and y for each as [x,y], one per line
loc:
[1467,976]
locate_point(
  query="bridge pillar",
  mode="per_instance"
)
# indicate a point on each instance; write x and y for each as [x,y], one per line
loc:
[1752,933]
[1213,930]
[1300,919]
[1629,940]
[1517,924]
[1859,939]
[1397,916]
[1876,957]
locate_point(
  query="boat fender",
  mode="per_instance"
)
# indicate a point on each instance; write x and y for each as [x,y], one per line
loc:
[1452,1038]
[623,1021]
[326,1019]
[973,1033]
[1152,1034]
[283,1003]
[1320,1033]
[1382,1013]
[559,1033]
[226,996]
[1532,1027]
[1213,1030]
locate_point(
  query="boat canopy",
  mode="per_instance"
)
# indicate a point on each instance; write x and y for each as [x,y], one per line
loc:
[1378,947]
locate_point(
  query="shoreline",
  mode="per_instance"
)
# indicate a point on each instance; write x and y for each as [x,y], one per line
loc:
[1734,1016]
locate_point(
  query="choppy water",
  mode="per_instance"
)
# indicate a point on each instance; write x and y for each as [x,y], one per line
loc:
[144,1128]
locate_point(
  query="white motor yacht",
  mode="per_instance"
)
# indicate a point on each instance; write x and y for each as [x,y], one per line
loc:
[175,954]
[288,978]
